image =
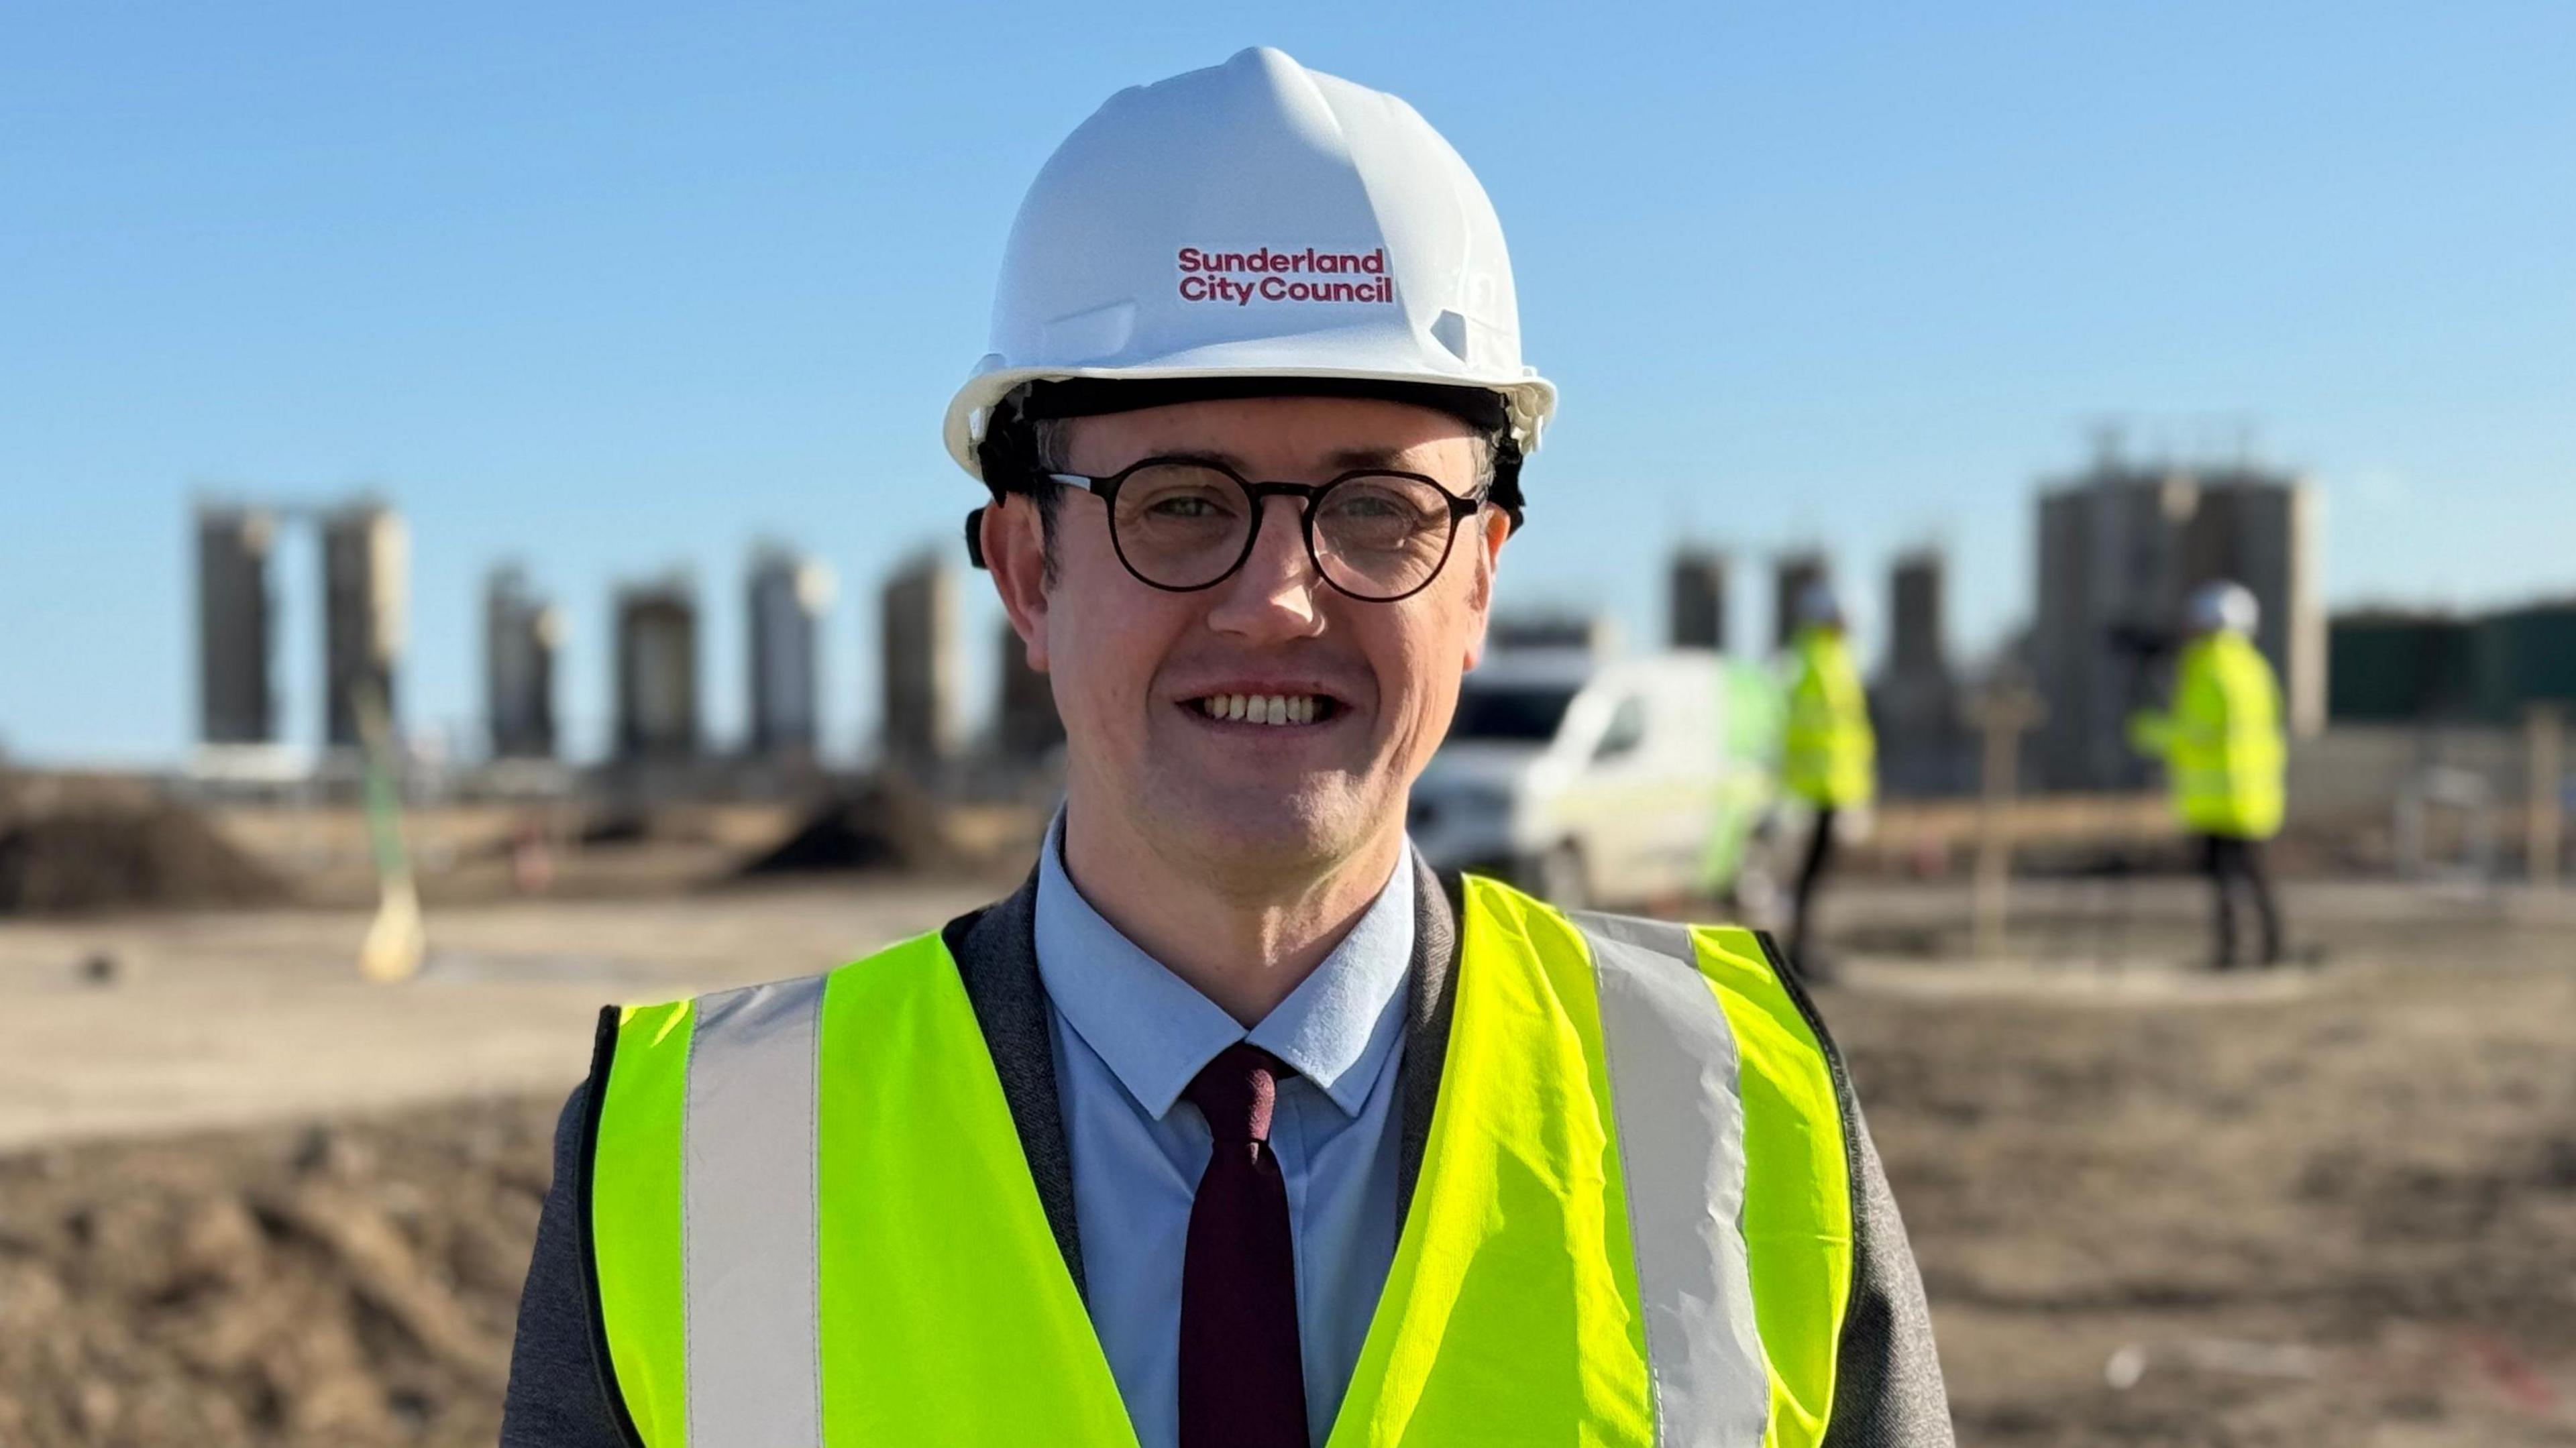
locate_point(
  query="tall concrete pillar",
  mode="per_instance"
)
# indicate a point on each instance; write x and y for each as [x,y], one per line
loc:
[1922,747]
[1025,725]
[365,580]
[920,619]
[1791,573]
[657,669]
[1696,599]
[1915,591]
[789,595]
[521,634]
[236,701]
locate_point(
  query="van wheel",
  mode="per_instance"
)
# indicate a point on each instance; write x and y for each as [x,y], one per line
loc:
[1561,881]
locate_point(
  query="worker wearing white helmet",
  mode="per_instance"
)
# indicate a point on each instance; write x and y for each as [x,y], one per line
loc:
[2221,607]
[2224,759]
[1830,753]
[1236,1125]
[1819,606]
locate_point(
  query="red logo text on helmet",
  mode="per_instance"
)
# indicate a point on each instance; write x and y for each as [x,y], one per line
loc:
[1307,274]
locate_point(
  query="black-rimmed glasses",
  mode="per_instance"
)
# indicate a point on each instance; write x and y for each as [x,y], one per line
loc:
[1182,524]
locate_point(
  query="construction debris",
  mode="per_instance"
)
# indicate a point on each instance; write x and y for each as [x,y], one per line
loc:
[106,856]
[349,1286]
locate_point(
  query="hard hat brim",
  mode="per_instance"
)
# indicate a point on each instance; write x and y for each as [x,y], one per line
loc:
[1529,400]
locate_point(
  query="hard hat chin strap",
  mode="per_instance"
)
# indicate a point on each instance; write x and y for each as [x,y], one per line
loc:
[1506,490]
[1007,457]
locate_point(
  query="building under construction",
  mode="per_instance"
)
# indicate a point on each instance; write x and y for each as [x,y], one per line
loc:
[920,703]
[365,579]
[1695,600]
[1923,743]
[365,586]
[657,669]
[236,700]
[521,634]
[787,596]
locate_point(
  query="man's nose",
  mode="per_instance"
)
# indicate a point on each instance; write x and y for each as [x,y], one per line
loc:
[1273,595]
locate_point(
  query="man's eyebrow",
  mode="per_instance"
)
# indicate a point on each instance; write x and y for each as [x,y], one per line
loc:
[1366,457]
[1217,456]
[1352,459]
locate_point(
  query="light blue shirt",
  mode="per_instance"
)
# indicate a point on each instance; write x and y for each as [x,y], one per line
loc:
[1129,1036]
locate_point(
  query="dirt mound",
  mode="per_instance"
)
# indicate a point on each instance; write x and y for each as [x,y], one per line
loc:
[836,839]
[893,824]
[109,856]
[2341,1216]
[349,1286]
[874,829]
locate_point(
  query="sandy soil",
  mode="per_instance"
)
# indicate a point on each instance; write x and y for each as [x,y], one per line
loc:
[2336,1209]
[230,1019]
[2330,1207]
[352,1285]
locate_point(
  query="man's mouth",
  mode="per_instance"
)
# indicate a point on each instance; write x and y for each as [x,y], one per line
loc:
[1278,709]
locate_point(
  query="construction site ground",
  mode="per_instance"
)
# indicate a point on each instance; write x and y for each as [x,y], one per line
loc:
[247,1198]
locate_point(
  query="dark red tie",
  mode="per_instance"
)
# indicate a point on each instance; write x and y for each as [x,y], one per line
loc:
[1242,1385]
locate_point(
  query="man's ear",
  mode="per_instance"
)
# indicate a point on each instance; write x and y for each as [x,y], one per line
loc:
[1493,529]
[1014,543]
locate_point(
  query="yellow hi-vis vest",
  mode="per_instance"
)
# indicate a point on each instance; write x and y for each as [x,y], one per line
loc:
[810,1220]
[2224,757]
[1832,755]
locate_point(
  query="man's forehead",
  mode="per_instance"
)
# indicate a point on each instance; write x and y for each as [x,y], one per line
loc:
[1333,433]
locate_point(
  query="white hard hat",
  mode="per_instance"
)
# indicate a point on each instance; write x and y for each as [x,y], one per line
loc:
[1818,605]
[2222,605]
[1255,220]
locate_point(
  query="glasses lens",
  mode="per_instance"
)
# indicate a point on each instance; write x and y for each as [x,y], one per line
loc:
[1381,535]
[1180,525]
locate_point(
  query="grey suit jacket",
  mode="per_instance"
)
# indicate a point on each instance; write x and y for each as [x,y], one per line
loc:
[1888,1391]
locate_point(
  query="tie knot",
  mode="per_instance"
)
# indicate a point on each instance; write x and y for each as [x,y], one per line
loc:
[1236,1091]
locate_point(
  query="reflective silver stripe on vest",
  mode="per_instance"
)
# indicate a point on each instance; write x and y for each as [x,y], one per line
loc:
[1673,1088]
[747,1219]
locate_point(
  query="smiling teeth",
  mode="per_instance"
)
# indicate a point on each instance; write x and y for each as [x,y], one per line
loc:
[1261,708]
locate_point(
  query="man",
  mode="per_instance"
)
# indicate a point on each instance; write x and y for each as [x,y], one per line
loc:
[2224,758]
[1236,1126]
[1831,753]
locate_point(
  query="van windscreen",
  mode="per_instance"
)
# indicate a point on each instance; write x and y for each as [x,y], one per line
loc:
[1524,713]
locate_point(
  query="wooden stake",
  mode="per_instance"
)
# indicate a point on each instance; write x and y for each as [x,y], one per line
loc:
[2001,714]
[2545,726]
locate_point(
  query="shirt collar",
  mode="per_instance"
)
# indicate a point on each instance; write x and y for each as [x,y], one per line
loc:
[1155,1031]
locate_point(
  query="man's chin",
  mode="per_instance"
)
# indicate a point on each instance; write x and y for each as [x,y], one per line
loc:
[1310,821]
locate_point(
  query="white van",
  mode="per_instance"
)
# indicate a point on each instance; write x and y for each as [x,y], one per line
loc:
[1599,783]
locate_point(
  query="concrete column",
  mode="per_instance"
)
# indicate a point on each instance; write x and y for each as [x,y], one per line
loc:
[1697,599]
[920,619]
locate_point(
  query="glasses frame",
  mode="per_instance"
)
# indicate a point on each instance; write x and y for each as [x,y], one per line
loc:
[1258,495]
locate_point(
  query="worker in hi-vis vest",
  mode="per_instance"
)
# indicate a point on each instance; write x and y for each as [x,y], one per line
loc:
[2224,758]
[1829,753]
[1237,1126]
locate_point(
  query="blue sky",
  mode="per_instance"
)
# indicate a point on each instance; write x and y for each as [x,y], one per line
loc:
[612,288]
